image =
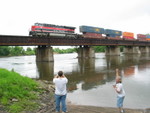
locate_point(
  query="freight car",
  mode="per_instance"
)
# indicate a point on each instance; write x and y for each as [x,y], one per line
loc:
[96,32]
[91,32]
[42,29]
[141,37]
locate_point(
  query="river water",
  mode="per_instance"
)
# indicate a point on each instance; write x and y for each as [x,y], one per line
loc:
[91,80]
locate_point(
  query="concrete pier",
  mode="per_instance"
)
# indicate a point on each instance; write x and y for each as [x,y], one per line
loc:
[112,50]
[144,49]
[86,52]
[131,50]
[128,49]
[136,50]
[44,54]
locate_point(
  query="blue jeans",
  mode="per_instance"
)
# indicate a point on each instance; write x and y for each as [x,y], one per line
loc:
[120,101]
[60,99]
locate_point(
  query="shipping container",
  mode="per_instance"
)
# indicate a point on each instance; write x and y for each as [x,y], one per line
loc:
[141,36]
[128,37]
[115,38]
[141,39]
[147,36]
[90,29]
[128,34]
[92,35]
[113,32]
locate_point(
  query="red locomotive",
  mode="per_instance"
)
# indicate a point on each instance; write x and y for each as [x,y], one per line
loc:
[42,29]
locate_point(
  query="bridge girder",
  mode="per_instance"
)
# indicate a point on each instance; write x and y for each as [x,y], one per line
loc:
[6,40]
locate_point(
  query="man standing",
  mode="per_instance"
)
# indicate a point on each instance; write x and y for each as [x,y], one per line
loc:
[60,82]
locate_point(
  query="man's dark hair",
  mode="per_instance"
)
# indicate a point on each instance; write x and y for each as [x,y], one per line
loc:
[60,73]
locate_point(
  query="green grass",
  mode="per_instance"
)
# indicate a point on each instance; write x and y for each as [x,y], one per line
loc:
[15,86]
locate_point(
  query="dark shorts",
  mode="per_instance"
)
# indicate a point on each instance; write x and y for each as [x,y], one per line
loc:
[120,101]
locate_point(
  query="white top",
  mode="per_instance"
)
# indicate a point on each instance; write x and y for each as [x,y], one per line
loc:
[60,85]
[119,88]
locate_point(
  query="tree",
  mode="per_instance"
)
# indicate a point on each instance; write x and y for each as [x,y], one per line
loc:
[17,51]
[99,48]
[5,50]
[29,51]
[61,51]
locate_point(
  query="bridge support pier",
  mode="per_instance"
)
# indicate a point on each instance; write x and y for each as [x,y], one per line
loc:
[144,49]
[136,50]
[131,50]
[112,50]
[86,52]
[44,54]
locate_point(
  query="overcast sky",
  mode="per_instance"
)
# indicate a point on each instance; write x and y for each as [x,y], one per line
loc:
[17,16]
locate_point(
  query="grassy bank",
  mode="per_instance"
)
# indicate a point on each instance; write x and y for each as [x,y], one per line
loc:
[17,92]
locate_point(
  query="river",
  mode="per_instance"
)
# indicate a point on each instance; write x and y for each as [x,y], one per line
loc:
[91,80]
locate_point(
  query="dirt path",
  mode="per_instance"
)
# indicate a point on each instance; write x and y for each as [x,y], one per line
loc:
[92,109]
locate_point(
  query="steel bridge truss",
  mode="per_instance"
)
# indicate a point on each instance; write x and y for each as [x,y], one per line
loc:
[6,40]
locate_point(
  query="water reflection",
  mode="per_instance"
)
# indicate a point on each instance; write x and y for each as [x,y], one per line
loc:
[93,72]
[129,71]
[45,70]
[113,61]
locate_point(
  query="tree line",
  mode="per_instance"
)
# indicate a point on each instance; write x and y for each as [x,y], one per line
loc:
[20,51]
[15,51]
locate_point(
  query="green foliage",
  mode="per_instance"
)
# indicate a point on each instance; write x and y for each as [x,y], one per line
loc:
[15,86]
[29,51]
[15,51]
[99,48]
[5,50]
[24,105]
[62,51]
[121,48]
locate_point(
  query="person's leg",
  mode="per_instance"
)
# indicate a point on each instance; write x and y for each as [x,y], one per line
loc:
[57,99]
[122,99]
[63,102]
[120,104]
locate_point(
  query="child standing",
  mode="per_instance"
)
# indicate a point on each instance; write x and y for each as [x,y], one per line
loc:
[120,92]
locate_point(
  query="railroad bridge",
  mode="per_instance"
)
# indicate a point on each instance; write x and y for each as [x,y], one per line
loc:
[45,52]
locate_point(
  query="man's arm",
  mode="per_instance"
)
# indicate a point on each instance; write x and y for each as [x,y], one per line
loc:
[54,79]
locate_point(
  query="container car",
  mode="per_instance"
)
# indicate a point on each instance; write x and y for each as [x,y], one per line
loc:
[128,35]
[91,32]
[141,37]
[113,33]
[148,37]
[90,29]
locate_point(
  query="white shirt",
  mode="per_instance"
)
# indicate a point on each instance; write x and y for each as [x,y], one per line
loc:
[60,85]
[119,88]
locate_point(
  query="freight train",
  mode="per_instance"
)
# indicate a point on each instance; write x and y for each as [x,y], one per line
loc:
[47,30]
